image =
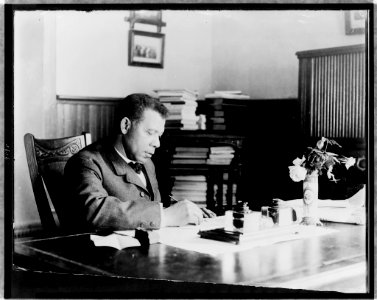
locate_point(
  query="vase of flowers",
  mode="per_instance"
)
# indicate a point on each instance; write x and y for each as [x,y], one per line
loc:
[313,163]
[310,199]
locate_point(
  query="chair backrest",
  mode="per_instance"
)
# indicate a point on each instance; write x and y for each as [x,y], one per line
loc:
[46,159]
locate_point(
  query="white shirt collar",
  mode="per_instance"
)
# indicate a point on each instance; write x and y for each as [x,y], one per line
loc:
[127,160]
[124,157]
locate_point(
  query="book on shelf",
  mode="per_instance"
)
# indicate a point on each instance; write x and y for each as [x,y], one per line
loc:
[226,106]
[216,113]
[217,126]
[223,95]
[179,105]
[190,184]
[221,156]
[172,99]
[190,177]
[196,186]
[190,127]
[173,125]
[176,92]
[219,162]
[185,117]
[189,161]
[190,120]
[179,122]
[181,109]
[198,190]
[191,149]
[198,194]
[181,194]
[201,185]
[180,101]
[234,92]
[221,149]
[216,120]
[190,155]
[182,126]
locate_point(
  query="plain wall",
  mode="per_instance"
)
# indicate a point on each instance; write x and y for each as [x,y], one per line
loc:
[34,99]
[85,54]
[256,51]
[92,54]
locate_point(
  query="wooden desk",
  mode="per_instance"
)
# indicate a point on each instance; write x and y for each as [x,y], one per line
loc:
[333,262]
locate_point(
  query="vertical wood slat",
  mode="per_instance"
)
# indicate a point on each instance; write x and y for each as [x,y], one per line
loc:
[76,115]
[335,105]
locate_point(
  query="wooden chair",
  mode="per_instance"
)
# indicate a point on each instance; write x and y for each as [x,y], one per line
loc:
[46,159]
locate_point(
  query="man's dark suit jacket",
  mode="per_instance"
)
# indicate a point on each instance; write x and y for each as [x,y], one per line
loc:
[105,192]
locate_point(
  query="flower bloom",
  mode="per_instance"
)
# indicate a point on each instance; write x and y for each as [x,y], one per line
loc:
[321,143]
[299,161]
[330,175]
[350,162]
[297,173]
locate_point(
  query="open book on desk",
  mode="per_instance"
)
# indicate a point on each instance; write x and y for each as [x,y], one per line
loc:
[351,210]
[125,238]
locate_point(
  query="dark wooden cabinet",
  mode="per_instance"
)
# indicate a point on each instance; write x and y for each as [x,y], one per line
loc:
[267,140]
[214,173]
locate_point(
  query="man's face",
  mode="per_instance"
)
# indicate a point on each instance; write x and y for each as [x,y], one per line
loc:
[143,137]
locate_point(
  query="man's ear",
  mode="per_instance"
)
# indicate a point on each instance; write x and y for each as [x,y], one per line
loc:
[125,125]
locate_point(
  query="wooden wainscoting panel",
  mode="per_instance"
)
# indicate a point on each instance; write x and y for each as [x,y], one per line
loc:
[332,91]
[94,115]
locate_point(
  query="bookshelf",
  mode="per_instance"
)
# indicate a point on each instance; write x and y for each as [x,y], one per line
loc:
[222,177]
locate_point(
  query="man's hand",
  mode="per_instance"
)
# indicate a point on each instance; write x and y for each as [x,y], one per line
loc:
[208,213]
[185,212]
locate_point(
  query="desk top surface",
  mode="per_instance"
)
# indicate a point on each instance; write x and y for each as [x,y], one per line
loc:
[336,261]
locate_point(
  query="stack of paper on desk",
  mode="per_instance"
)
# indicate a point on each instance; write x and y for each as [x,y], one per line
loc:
[351,210]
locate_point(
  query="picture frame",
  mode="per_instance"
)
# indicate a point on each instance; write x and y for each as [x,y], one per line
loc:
[146,49]
[148,15]
[355,21]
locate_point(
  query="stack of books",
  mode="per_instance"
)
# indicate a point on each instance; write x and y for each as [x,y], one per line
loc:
[220,155]
[191,187]
[226,110]
[190,155]
[182,104]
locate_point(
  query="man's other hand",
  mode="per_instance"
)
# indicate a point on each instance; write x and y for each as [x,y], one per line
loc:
[185,212]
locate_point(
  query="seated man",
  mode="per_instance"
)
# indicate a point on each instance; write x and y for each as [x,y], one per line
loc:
[105,189]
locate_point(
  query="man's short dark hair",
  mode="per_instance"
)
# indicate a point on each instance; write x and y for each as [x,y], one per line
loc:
[134,105]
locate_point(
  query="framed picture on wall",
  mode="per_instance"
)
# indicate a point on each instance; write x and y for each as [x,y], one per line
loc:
[355,21]
[151,15]
[146,49]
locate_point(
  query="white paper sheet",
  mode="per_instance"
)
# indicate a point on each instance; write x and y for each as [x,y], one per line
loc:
[351,210]
[188,239]
[115,240]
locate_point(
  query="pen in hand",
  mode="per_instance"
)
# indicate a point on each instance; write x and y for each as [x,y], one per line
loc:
[172,199]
